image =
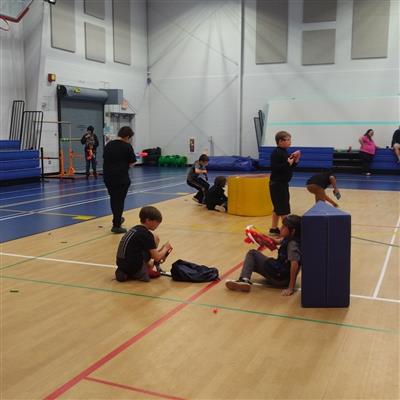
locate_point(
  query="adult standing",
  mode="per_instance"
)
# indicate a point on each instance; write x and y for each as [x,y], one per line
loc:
[367,150]
[91,142]
[396,143]
[118,157]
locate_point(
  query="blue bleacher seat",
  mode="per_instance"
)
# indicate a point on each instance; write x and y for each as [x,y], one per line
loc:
[385,159]
[17,164]
[311,157]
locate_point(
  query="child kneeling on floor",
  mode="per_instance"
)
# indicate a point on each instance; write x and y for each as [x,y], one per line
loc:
[215,197]
[279,272]
[137,251]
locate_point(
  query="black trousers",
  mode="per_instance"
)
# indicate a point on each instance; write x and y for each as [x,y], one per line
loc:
[93,163]
[201,185]
[117,194]
[366,160]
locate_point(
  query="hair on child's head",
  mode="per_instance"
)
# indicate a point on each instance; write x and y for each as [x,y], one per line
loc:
[90,128]
[151,213]
[125,131]
[282,135]
[220,181]
[293,223]
[203,158]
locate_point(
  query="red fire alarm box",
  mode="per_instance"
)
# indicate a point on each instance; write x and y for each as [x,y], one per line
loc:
[191,145]
[51,77]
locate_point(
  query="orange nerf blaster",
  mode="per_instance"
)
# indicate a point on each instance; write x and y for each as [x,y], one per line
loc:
[89,154]
[258,238]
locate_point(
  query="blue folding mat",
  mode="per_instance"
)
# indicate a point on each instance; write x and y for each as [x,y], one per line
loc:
[325,247]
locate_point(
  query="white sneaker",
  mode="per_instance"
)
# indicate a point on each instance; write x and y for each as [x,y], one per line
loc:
[220,208]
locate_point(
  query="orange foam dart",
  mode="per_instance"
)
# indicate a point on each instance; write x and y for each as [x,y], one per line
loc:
[258,238]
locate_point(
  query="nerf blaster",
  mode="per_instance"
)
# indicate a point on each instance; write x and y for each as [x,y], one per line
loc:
[258,238]
[157,265]
[89,154]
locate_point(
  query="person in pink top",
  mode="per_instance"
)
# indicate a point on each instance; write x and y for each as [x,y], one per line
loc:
[367,150]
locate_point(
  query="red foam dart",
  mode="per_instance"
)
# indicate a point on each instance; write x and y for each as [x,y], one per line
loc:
[142,154]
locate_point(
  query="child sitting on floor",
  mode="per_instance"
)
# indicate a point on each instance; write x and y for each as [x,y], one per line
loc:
[137,251]
[281,271]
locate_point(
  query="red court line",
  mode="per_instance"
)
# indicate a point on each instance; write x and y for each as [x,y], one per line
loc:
[95,366]
[134,389]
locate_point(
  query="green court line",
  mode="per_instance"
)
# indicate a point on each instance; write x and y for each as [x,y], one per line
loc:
[216,306]
[332,123]
[53,252]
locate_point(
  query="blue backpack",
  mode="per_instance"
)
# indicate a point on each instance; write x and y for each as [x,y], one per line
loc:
[185,271]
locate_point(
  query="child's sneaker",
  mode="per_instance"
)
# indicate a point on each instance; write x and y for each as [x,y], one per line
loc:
[120,275]
[118,229]
[274,232]
[220,208]
[241,285]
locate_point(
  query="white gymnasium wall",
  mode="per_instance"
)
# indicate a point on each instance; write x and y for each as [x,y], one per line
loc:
[333,122]
[333,104]
[195,50]
[32,24]
[75,70]
[194,58]
[195,67]
[12,79]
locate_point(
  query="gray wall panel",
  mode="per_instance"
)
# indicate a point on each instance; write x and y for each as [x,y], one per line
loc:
[122,31]
[95,42]
[63,25]
[95,8]
[319,10]
[318,47]
[271,31]
[370,28]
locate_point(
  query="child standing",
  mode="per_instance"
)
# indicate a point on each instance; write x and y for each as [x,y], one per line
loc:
[215,197]
[282,165]
[281,271]
[319,182]
[195,180]
[137,250]
[118,157]
[90,141]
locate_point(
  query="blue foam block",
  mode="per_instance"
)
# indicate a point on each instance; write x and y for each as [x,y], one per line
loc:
[325,243]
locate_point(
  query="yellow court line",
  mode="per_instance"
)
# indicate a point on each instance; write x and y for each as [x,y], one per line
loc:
[74,216]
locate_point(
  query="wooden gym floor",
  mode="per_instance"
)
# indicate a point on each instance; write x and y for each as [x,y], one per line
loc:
[70,331]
